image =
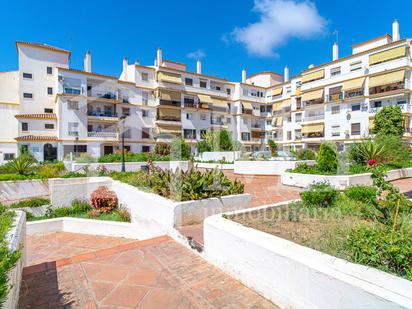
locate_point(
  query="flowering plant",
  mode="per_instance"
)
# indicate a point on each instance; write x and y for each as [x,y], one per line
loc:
[103,199]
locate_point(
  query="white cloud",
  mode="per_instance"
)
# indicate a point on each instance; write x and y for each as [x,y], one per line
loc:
[280,20]
[197,54]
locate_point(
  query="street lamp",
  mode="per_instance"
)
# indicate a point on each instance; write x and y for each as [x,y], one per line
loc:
[122,119]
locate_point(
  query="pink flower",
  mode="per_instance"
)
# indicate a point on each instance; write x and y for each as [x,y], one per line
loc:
[371,162]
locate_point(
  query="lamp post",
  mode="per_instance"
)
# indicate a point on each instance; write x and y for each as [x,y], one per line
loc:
[122,118]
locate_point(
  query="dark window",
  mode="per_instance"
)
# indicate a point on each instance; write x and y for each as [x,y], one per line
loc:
[355,128]
[145,133]
[27,95]
[49,126]
[245,136]
[189,133]
[145,113]
[49,70]
[49,90]
[24,126]
[8,156]
[126,111]
[145,148]
[48,110]
[356,107]
[203,84]
[228,91]
[127,148]
[27,75]
[188,82]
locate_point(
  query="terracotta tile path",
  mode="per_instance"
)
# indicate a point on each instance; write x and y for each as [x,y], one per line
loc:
[155,273]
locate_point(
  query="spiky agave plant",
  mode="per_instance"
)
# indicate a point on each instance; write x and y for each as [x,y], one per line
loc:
[371,150]
[23,164]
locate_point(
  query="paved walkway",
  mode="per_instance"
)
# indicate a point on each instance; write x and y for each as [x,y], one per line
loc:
[155,273]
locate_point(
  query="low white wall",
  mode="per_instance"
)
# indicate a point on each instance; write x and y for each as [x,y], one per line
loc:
[130,166]
[64,190]
[214,165]
[22,189]
[16,241]
[228,156]
[293,276]
[270,167]
[340,182]
[140,230]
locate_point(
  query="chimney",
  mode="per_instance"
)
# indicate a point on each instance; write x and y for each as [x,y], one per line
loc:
[137,62]
[311,66]
[155,62]
[395,31]
[124,68]
[286,74]
[159,57]
[198,66]
[243,76]
[335,51]
[88,62]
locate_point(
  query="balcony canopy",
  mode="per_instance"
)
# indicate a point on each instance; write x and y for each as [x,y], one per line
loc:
[313,76]
[313,95]
[277,91]
[169,77]
[169,113]
[387,79]
[169,95]
[312,128]
[286,103]
[354,84]
[277,106]
[247,105]
[387,55]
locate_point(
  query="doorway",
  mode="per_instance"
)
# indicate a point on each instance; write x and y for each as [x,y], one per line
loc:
[49,152]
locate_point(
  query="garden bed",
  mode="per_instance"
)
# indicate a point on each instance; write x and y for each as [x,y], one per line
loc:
[266,167]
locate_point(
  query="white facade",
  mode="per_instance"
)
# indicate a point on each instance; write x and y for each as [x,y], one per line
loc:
[53,110]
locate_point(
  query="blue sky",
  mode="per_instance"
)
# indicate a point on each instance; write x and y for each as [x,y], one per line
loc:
[258,35]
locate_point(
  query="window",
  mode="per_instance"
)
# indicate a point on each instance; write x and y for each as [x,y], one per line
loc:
[73,128]
[145,113]
[145,97]
[125,111]
[288,89]
[49,90]
[145,132]
[228,91]
[24,126]
[72,105]
[355,128]
[8,156]
[298,134]
[335,71]
[145,76]
[189,82]
[401,102]
[189,116]
[289,135]
[189,133]
[245,136]
[268,122]
[145,148]
[27,95]
[298,117]
[203,84]
[336,130]
[27,75]
[377,104]
[49,126]
[49,70]
[228,120]
[335,109]
[354,66]
[202,116]
[48,110]
[356,107]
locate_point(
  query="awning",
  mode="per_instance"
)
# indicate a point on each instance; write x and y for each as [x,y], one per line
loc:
[168,130]
[286,103]
[277,91]
[169,95]
[313,95]
[169,77]
[247,105]
[354,84]
[312,128]
[297,91]
[335,90]
[219,102]
[387,55]
[169,113]
[278,121]
[205,98]
[277,106]
[313,76]
[387,79]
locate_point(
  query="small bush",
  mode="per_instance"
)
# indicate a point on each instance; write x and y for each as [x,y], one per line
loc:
[327,158]
[23,164]
[320,194]
[9,177]
[34,202]
[179,150]
[162,149]
[85,158]
[273,148]
[104,199]
[305,154]
[361,193]
[47,171]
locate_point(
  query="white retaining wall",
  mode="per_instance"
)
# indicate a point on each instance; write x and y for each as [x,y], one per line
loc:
[293,276]
[16,241]
[228,156]
[130,166]
[22,189]
[270,167]
[214,165]
[340,182]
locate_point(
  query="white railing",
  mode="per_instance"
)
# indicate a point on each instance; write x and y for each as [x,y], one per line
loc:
[102,134]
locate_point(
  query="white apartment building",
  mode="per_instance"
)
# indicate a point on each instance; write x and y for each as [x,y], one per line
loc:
[53,110]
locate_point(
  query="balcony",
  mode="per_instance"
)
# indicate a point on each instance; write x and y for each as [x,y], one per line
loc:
[247,112]
[170,103]
[375,91]
[102,114]
[71,90]
[312,117]
[335,97]
[102,94]
[354,94]
[102,134]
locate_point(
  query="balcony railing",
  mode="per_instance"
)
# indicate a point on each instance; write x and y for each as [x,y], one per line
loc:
[353,93]
[386,88]
[102,114]
[102,134]
[168,118]
[101,94]
[314,117]
[335,97]
[313,102]
[71,90]
[170,103]
[217,122]
[73,133]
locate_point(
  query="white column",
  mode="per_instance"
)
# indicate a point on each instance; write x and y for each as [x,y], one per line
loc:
[395,31]
[88,62]
[198,66]
[335,51]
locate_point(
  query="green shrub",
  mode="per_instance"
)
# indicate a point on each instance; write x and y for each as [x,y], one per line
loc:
[354,155]
[361,193]
[273,148]
[22,165]
[389,121]
[358,169]
[380,248]
[396,152]
[179,150]
[85,158]
[9,177]
[320,194]
[304,168]
[220,140]
[33,202]
[132,157]
[202,146]
[327,158]
[162,149]
[47,171]
[305,154]
[73,175]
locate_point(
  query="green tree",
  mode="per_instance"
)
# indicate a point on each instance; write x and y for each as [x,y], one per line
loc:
[327,157]
[389,121]
[273,148]
[179,150]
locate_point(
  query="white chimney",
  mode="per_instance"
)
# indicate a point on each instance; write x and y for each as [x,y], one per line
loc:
[286,74]
[125,68]
[198,66]
[335,51]
[311,66]
[155,62]
[159,57]
[88,62]
[243,76]
[395,31]
[137,62]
